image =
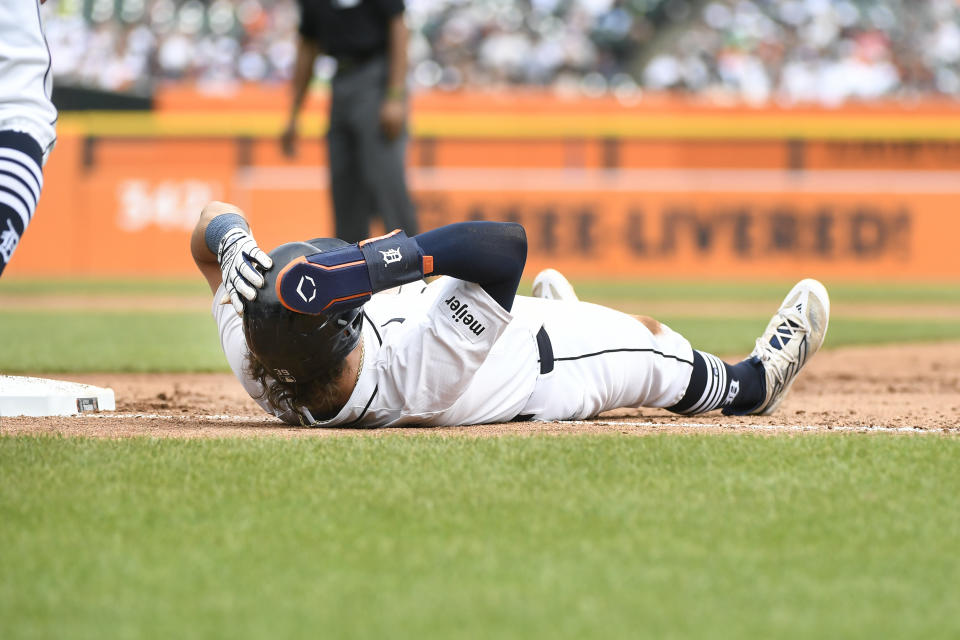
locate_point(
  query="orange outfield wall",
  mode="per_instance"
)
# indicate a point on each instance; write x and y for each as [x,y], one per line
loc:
[123,191]
[134,219]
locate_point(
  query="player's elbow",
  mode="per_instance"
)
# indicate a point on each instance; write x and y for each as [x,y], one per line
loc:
[514,238]
[215,208]
[505,245]
[515,232]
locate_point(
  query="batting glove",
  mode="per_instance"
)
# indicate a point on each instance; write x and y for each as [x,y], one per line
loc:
[238,256]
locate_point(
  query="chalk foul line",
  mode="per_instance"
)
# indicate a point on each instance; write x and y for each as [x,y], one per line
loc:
[218,417]
[865,428]
[767,427]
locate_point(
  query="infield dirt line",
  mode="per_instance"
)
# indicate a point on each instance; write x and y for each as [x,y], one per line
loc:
[884,390]
[692,426]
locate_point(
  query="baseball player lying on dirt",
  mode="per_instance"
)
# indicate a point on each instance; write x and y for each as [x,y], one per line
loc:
[312,344]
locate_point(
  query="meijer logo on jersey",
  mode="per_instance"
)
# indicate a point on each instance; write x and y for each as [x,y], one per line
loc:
[460,314]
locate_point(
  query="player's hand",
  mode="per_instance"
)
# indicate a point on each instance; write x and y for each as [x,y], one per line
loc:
[288,140]
[393,116]
[239,256]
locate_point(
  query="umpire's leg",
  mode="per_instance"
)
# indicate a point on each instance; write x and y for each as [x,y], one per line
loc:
[382,160]
[352,201]
[21,179]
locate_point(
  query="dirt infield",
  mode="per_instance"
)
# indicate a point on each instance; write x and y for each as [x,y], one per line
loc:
[909,388]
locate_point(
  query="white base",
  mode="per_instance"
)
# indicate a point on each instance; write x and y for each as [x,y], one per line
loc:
[36,397]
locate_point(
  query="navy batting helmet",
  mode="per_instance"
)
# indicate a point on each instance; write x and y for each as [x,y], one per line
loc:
[296,347]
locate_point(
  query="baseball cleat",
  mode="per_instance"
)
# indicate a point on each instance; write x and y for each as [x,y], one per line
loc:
[792,337]
[551,285]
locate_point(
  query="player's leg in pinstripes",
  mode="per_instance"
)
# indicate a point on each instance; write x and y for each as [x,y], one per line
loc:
[758,384]
[21,180]
[713,383]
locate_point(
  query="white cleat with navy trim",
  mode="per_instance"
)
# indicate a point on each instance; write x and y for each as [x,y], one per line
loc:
[793,336]
[550,284]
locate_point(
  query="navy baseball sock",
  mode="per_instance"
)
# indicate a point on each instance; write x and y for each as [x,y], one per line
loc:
[20,181]
[715,384]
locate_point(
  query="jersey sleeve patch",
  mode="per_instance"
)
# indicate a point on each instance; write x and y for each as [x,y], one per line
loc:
[471,312]
[468,321]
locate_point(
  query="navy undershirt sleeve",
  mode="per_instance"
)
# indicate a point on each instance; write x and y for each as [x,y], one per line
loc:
[492,254]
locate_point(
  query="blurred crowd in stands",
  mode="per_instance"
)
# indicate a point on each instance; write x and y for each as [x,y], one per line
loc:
[790,51]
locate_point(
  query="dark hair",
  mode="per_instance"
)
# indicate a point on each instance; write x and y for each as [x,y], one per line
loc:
[319,394]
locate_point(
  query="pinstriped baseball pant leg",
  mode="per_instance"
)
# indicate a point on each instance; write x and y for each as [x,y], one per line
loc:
[21,180]
[603,360]
[27,119]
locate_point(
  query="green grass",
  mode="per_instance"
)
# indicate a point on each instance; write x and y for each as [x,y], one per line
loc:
[88,341]
[426,537]
[654,290]
[735,336]
[764,291]
[103,286]
[84,341]
[69,341]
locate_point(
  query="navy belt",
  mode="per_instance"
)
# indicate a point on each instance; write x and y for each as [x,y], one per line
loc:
[348,63]
[545,348]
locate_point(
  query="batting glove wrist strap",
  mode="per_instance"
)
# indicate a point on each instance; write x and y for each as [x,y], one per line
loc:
[220,226]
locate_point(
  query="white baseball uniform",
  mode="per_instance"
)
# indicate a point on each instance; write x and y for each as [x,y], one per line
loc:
[448,354]
[27,118]
[25,76]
